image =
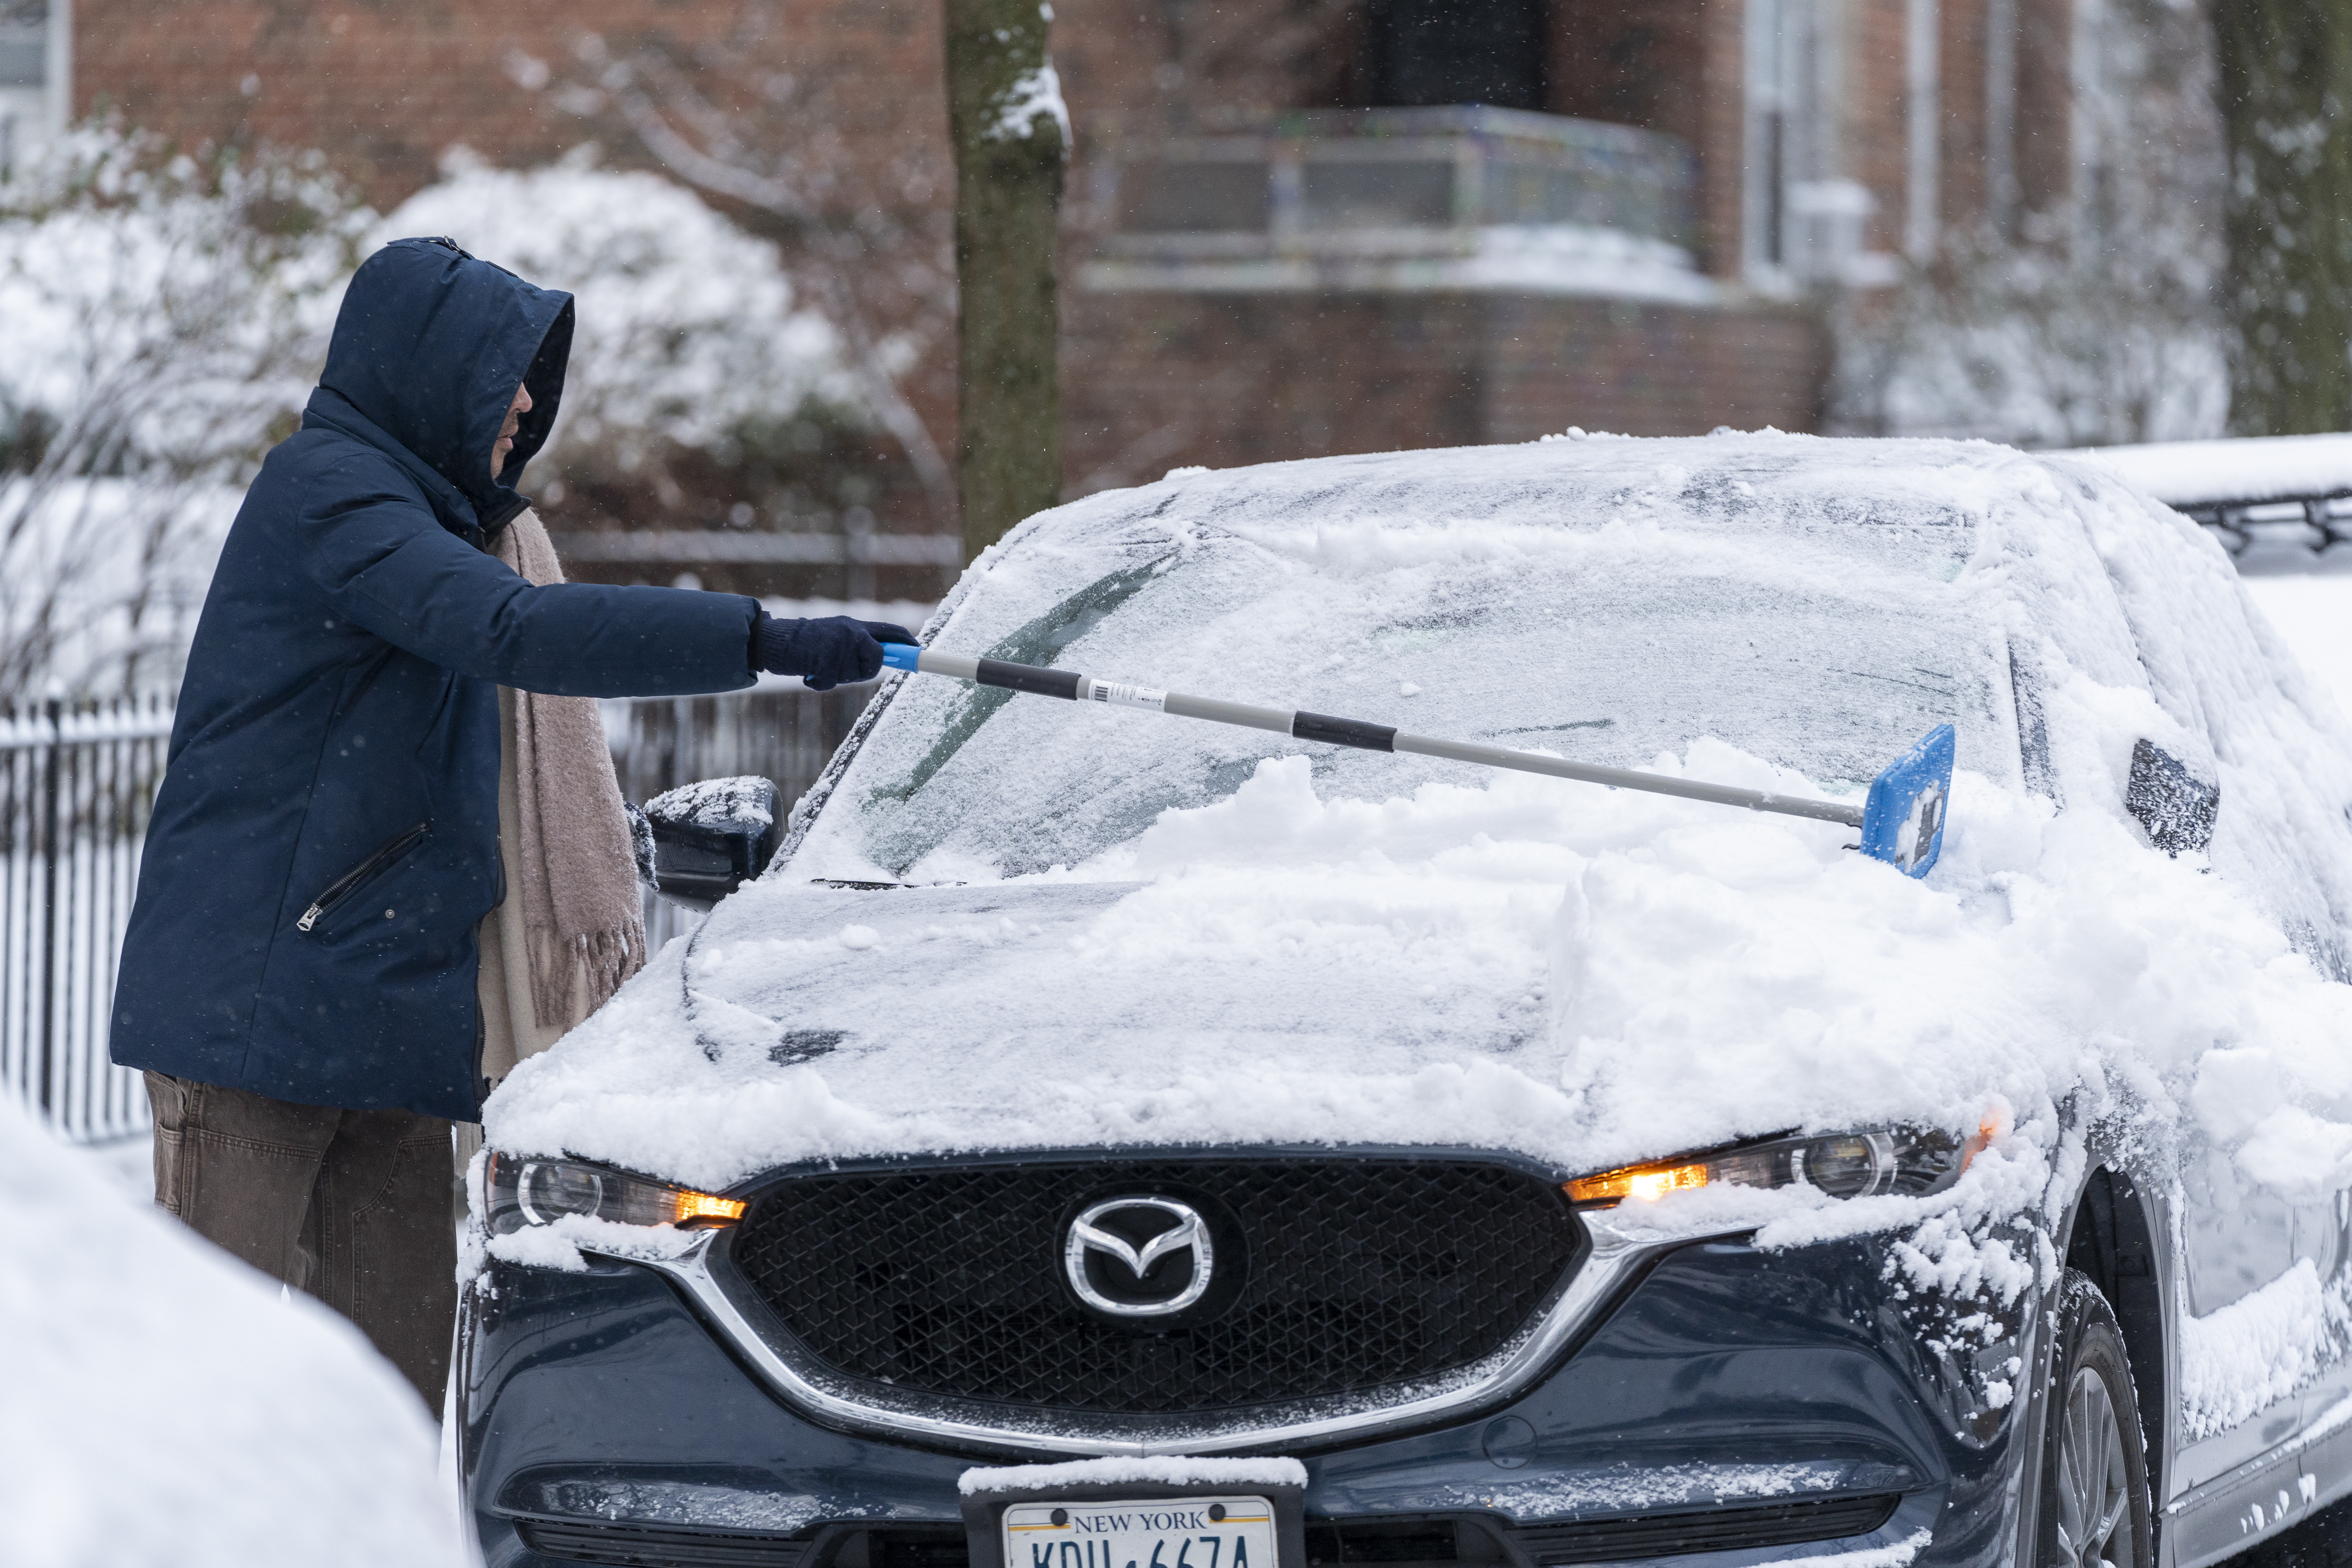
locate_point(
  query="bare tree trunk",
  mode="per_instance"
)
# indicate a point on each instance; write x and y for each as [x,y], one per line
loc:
[2285,75]
[1009,131]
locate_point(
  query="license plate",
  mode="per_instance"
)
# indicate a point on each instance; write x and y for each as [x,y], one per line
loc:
[1164,1532]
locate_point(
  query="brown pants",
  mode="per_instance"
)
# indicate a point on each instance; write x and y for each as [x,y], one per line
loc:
[352,1207]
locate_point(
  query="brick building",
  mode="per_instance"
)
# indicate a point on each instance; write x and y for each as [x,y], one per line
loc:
[1284,234]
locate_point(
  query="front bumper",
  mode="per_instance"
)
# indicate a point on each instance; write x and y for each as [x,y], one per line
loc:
[1727,1407]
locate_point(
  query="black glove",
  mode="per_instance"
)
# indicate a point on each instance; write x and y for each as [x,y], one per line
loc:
[827,652]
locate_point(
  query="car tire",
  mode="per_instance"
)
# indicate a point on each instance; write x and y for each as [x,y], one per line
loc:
[2095,1502]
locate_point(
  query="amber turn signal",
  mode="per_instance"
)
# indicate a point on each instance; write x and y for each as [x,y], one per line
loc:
[705,1208]
[1647,1183]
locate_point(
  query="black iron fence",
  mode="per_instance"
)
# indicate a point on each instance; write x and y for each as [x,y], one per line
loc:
[779,734]
[77,780]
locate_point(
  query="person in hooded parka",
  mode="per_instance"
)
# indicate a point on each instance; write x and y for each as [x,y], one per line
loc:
[303,975]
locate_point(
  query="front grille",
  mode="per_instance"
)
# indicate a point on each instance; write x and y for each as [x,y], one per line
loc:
[657,1545]
[1355,1273]
[1708,1530]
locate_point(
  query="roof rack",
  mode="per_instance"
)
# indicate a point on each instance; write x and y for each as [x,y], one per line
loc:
[2314,521]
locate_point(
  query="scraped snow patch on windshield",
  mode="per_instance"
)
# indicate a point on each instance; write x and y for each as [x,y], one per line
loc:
[1169,1471]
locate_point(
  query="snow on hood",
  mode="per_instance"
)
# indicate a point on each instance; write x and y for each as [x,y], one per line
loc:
[1325,956]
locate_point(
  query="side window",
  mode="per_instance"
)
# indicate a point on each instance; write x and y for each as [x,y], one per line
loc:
[2173,804]
[2033,733]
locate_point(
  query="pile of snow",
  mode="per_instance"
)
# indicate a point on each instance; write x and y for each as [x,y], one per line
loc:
[686,327]
[168,1408]
[1135,930]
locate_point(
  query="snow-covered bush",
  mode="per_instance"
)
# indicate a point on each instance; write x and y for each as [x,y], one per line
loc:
[2081,316]
[164,317]
[688,328]
[2038,347]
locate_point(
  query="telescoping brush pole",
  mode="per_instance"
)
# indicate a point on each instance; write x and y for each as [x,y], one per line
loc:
[1902,820]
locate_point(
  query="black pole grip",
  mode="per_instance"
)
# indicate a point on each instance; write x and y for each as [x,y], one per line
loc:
[1343,732]
[1033,678]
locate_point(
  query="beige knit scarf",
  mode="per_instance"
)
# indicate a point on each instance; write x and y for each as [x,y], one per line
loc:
[583,914]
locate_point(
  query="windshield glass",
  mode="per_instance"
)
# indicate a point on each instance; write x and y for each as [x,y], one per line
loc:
[1609,612]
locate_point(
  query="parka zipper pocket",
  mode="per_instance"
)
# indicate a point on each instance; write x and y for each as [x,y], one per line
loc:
[350,881]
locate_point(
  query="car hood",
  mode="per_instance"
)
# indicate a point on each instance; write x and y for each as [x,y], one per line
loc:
[806,1021]
[1018,988]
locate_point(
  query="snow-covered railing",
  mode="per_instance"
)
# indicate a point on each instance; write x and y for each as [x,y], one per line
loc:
[1454,198]
[77,782]
[1320,176]
[2277,489]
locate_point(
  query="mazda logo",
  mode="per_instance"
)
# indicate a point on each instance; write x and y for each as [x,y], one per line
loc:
[1139,1258]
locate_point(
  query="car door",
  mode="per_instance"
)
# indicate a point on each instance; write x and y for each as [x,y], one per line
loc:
[2249,1257]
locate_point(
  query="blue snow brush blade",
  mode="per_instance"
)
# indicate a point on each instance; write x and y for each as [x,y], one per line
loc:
[1902,822]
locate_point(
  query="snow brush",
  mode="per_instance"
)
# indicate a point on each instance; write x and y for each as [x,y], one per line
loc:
[1902,820]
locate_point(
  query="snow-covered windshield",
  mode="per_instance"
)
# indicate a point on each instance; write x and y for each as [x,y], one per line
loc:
[1580,598]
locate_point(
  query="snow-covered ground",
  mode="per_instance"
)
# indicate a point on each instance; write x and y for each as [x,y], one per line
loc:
[167,1408]
[2311,609]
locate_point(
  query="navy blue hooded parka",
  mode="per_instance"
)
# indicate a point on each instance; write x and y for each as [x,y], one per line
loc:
[326,838]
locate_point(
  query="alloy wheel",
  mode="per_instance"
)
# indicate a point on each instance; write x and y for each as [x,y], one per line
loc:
[2094,1483]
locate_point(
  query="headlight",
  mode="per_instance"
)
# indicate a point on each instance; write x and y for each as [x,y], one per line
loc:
[519,1191]
[1909,1160]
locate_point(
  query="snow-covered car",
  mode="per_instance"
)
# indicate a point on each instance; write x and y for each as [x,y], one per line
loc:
[1558,1174]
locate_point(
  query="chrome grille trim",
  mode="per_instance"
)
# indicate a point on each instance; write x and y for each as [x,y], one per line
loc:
[1614,1259]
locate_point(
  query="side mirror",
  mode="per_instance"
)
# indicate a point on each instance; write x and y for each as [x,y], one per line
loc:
[2174,805]
[712,837]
